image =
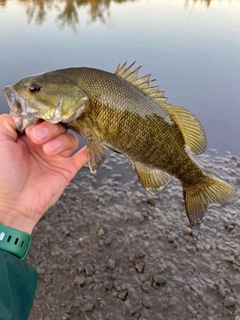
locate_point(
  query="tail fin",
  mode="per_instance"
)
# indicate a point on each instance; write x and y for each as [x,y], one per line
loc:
[210,190]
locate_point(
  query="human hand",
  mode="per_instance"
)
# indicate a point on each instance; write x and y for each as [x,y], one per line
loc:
[35,168]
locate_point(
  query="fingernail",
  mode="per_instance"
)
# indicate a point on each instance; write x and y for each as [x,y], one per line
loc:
[54,145]
[40,133]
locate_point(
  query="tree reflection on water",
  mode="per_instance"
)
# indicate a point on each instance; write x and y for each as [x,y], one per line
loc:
[68,10]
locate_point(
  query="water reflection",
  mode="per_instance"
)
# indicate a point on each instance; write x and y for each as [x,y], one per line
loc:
[68,10]
[191,2]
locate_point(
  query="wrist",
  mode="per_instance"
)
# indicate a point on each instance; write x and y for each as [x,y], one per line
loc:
[14,241]
[15,219]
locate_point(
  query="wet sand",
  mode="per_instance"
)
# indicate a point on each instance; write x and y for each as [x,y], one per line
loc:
[108,250]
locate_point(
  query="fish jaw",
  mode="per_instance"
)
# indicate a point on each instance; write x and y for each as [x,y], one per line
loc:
[18,109]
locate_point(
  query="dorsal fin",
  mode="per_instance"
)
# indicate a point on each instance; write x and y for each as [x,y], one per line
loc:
[190,127]
[193,133]
[142,84]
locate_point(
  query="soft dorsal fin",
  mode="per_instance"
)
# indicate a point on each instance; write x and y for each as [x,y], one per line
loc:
[193,133]
[190,127]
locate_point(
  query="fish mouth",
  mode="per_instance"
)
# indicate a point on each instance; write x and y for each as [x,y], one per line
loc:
[18,109]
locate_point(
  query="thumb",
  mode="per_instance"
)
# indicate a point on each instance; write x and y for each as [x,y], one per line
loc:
[79,159]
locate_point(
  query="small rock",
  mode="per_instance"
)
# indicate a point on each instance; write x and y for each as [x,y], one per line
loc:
[141,255]
[187,231]
[210,286]
[40,270]
[79,280]
[116,176]
[108,241]
[55,250]
[66,316]
[87,307]
[158,280]
[146,301]
[199,247]
[195,233]
[107,285]
[229,302]
[89,280]
[207,301]
[235,158]
[127,309]
[139,267]
[80,269]
[151,201]
[122,295]
[89,269]
[138,218]
[228,312]
[65,231]
[190,308]
[186,289]
[173,301]
[238,180]
[207,247]
[111,264]
[100,233]
[170,238]
[221,291]
[146,286]
[234,266]
[132,258]
[229,228]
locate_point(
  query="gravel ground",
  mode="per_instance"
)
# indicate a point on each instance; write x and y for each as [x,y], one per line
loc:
[108,250]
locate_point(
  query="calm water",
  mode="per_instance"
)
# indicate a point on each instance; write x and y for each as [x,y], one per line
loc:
[192,48]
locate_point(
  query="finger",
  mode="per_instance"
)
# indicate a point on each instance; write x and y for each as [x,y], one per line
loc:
[79,159]
[32,126]
[64,144]
[44,131]
[7,127]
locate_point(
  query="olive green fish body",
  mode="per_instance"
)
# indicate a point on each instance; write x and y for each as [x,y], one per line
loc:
[118,111]
[126,114]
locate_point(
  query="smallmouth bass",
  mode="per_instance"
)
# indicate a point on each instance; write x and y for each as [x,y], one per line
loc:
[123,112]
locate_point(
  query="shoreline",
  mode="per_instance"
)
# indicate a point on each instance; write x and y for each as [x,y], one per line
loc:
[108,250]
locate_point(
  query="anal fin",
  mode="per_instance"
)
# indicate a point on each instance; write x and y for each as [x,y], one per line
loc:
[96,153]
[154,181]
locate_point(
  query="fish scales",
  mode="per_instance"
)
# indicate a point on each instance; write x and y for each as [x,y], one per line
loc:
[125,113]
[151,131]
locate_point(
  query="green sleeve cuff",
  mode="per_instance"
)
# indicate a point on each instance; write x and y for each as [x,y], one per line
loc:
[18,283]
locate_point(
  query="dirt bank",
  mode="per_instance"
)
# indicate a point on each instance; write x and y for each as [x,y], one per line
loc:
[108,250]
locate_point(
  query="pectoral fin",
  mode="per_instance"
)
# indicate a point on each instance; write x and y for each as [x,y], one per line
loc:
[154,181]
[96,153]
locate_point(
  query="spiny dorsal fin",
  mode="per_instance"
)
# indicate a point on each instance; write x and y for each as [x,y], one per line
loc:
[193,133]
[142,84]
[191,128]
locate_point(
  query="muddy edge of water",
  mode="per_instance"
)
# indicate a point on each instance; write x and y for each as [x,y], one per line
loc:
[108,250]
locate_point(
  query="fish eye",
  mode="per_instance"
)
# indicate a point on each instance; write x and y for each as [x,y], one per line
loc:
[34,88]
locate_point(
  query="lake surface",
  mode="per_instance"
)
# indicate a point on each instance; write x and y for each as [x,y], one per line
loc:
[191,47]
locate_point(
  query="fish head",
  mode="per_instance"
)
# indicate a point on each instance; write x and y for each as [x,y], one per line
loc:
[51,96]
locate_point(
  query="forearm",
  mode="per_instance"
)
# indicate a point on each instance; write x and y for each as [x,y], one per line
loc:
[18,281]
